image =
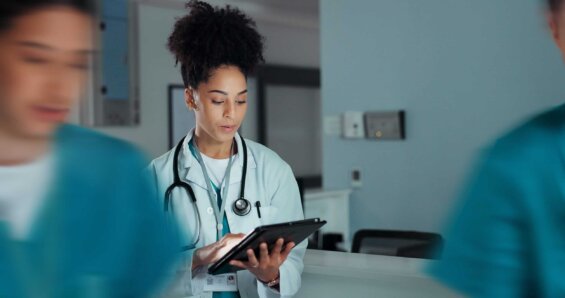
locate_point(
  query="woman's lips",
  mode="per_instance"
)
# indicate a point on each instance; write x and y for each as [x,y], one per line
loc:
[51,114]
[228,128]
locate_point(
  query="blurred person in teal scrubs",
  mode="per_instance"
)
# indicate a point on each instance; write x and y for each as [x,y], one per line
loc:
[508,238]
[77,218]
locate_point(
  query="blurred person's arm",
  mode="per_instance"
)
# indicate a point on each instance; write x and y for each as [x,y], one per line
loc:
[152,238]
[115,238]
[157,237]
[488,249]
[184,279]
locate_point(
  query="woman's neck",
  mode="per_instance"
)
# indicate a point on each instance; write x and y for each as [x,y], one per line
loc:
[211,147]
[16,150]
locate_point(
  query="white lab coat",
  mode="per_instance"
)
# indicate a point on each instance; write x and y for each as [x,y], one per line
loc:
[269,180]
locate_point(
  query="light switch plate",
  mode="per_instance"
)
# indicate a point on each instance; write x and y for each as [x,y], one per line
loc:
[356,181]
[385,125]
[332,125]
[353,127]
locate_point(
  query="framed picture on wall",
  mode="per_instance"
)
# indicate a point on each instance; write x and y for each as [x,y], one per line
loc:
[289,111]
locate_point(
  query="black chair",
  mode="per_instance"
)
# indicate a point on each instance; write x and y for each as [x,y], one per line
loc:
[406,244]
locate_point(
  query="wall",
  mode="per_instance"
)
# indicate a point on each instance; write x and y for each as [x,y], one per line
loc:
[287,43]
[464,71]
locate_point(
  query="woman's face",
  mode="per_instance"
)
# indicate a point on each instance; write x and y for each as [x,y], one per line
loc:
[219,104]
[556,22]
[44,58]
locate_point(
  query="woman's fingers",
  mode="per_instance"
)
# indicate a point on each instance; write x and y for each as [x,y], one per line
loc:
[276,251]
[252,259]
[252,262]
[263,253]
[284,254]
[265,261]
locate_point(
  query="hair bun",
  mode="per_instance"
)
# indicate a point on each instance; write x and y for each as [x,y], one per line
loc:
[209,37]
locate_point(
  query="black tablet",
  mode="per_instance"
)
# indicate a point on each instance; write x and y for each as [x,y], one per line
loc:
[294,231]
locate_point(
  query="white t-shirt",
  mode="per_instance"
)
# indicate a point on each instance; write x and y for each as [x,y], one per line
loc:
[216,169]
[23,190]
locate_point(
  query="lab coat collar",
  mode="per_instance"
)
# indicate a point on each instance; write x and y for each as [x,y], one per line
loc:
[194,172]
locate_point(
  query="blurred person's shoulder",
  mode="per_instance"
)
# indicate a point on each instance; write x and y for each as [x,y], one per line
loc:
[78,136]
[539,139]
[96,148]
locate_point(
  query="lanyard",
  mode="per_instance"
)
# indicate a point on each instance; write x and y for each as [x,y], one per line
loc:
[219,213]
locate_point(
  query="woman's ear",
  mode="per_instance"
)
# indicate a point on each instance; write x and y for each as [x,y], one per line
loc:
[189,99]
[552,23]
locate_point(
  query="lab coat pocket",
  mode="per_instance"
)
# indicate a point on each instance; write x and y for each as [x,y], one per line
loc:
[268,215]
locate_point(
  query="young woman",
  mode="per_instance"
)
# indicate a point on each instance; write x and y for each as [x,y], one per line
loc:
[73,211]
[215,183]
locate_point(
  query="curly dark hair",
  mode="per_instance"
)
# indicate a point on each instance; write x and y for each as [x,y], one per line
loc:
[554,5]
[11,9]
[210,37]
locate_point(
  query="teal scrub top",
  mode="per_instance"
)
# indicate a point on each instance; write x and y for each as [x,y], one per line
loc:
[508,237]
[101,232]
[225,230]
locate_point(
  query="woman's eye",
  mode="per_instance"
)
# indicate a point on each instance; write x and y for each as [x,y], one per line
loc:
[217,102]
[80,66]
[241,102]
[35,60]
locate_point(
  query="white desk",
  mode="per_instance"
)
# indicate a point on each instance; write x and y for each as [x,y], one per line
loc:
[335,274]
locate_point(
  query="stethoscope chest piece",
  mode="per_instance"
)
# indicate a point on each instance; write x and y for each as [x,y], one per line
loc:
[241,207]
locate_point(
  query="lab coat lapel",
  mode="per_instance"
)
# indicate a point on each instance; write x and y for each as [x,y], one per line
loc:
[193,170]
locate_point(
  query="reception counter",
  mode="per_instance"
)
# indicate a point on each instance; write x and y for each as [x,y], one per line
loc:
[336,274]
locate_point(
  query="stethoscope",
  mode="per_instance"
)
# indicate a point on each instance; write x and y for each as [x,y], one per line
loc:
[240,207]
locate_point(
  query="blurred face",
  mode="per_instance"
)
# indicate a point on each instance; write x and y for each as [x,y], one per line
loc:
[44,58]
[556,22]
[220,104]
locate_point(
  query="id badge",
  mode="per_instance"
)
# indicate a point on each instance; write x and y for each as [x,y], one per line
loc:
[221,283]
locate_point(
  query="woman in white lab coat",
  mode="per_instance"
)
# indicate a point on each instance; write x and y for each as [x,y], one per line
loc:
[225,186]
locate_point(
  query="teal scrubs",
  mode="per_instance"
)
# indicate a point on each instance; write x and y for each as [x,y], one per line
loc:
[225,227]
[508,237]
[225,230]
[101,232]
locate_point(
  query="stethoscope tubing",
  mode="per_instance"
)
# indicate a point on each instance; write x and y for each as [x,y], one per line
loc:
[177,182]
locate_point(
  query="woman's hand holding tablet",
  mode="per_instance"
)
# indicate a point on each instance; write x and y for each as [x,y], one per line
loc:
[265,266]
[209,254]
